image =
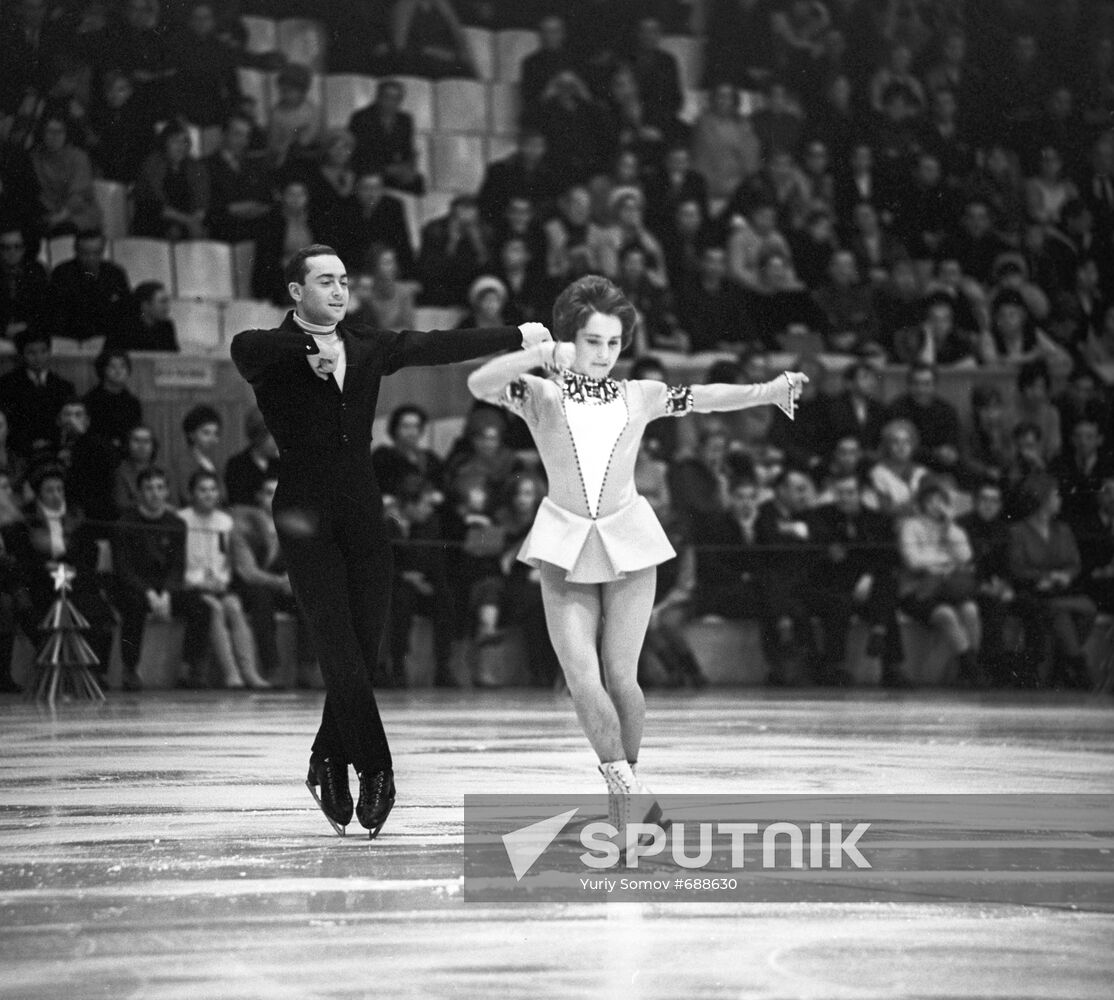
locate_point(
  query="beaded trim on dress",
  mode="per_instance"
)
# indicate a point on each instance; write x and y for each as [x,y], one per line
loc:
[585,389]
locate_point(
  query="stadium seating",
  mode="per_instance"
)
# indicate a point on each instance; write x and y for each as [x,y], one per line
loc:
[460,106]
[249,314]
[344,94]
[482,43]
[262,34]
[203,270]
[112,199]
[59,249]
[303,41]
[145,260]
[433,205]
[418,101]
[458,162]
[689,53]
[497,147]
[504,111]
[512,47]
[256,84]
[199,325]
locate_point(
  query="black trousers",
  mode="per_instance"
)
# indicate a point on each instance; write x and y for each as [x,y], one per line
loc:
[185,604]
[341,568]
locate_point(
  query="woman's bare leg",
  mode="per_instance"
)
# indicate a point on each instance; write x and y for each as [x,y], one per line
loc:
[572,614]
[627,604]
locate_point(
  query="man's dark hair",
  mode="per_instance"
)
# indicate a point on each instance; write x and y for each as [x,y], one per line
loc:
[88,234]
[199,476]
[151,472]
[296,270]
[41,473]
[1032,372]
[198,417]
[32,335]
[405,410]
[147,290]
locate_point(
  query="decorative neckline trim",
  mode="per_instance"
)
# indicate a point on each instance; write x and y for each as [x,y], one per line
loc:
[314,328]
[580,388]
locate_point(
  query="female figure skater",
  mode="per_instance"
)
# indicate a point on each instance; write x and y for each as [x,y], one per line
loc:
[595,540]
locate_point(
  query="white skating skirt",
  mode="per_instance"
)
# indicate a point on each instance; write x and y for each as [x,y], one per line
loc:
[600,550]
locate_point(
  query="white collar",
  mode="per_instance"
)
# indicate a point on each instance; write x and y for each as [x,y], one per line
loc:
[314,328]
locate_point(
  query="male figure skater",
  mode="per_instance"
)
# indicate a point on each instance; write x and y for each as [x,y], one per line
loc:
[316,381]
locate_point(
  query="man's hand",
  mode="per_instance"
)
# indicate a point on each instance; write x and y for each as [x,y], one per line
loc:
[534,334]
[564,354]
[324,362]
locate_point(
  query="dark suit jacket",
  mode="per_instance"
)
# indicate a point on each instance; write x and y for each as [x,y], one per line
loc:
[89,305]
[386,224]
[324,436]
[242,478]
[377,148]
[842,421]
[32,410]
[868,539]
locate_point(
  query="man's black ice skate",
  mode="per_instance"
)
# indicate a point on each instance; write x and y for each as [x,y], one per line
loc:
[377,798]
[335,799]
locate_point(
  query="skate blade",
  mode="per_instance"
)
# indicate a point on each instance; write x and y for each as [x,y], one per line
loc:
[341,832]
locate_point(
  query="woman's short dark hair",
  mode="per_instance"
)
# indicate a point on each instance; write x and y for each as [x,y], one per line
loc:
[588,295]
[200,476]
[102,360]
[44,471]
[198,417]
[151,472]
[296,270]
[405,410]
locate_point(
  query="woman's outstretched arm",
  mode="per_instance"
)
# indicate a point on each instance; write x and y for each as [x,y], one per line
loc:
[489,380]
[781,391]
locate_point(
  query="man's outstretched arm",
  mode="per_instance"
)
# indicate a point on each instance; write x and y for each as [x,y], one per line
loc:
[408,348]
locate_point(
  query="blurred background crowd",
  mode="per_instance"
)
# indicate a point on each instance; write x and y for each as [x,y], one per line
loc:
[913,200]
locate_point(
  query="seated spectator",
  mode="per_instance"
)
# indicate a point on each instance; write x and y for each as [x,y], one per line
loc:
[140,451]
[674,183]
[331,183]
[54,530]
[787,571]
[1034,384]
[975,245]
[11,592]
[112,407]
[1011,275]
[856,411]
[1096,544]
[851,324]
[148,558]
[728,577]
[858,182]
[937,584]
[725,149]
[1045,567]
[752,238]
[384,135]
[574,243]
[846,459]
[202,428]
[710,308]
[285,231]
[627,227]
[526,173]
[989,535]
[897,477]
[936,420]
[455,250]
[429,41]
[172,192]
[12,466]
[247,470]
[1098,349]
[92,298]
[259,572]
[683,242]
[295,129]
[875,248]
[698,480]
[1014,336]
[487,305]
[657,325]
[819,178]
[970,310]
[24,293]
[551,58]
[149,326]
[405,457]
[530,293]
[1081,471]
[925,211]
[897,301]
[1079,307]
[813,246]
[89,463]
[657,73]
[65,178]
[31,395]
[987,448]
[240,194]
[208,573]
[390,301]
[780,307]
[897,71]
[482,455]
[1048,190]
[854,575]
[119,130]
[573,127]
[374,217]
[936,340]
[779,122]
[205,83]
[779,183]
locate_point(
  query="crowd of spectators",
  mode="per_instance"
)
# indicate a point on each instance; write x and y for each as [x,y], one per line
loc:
[918,183]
